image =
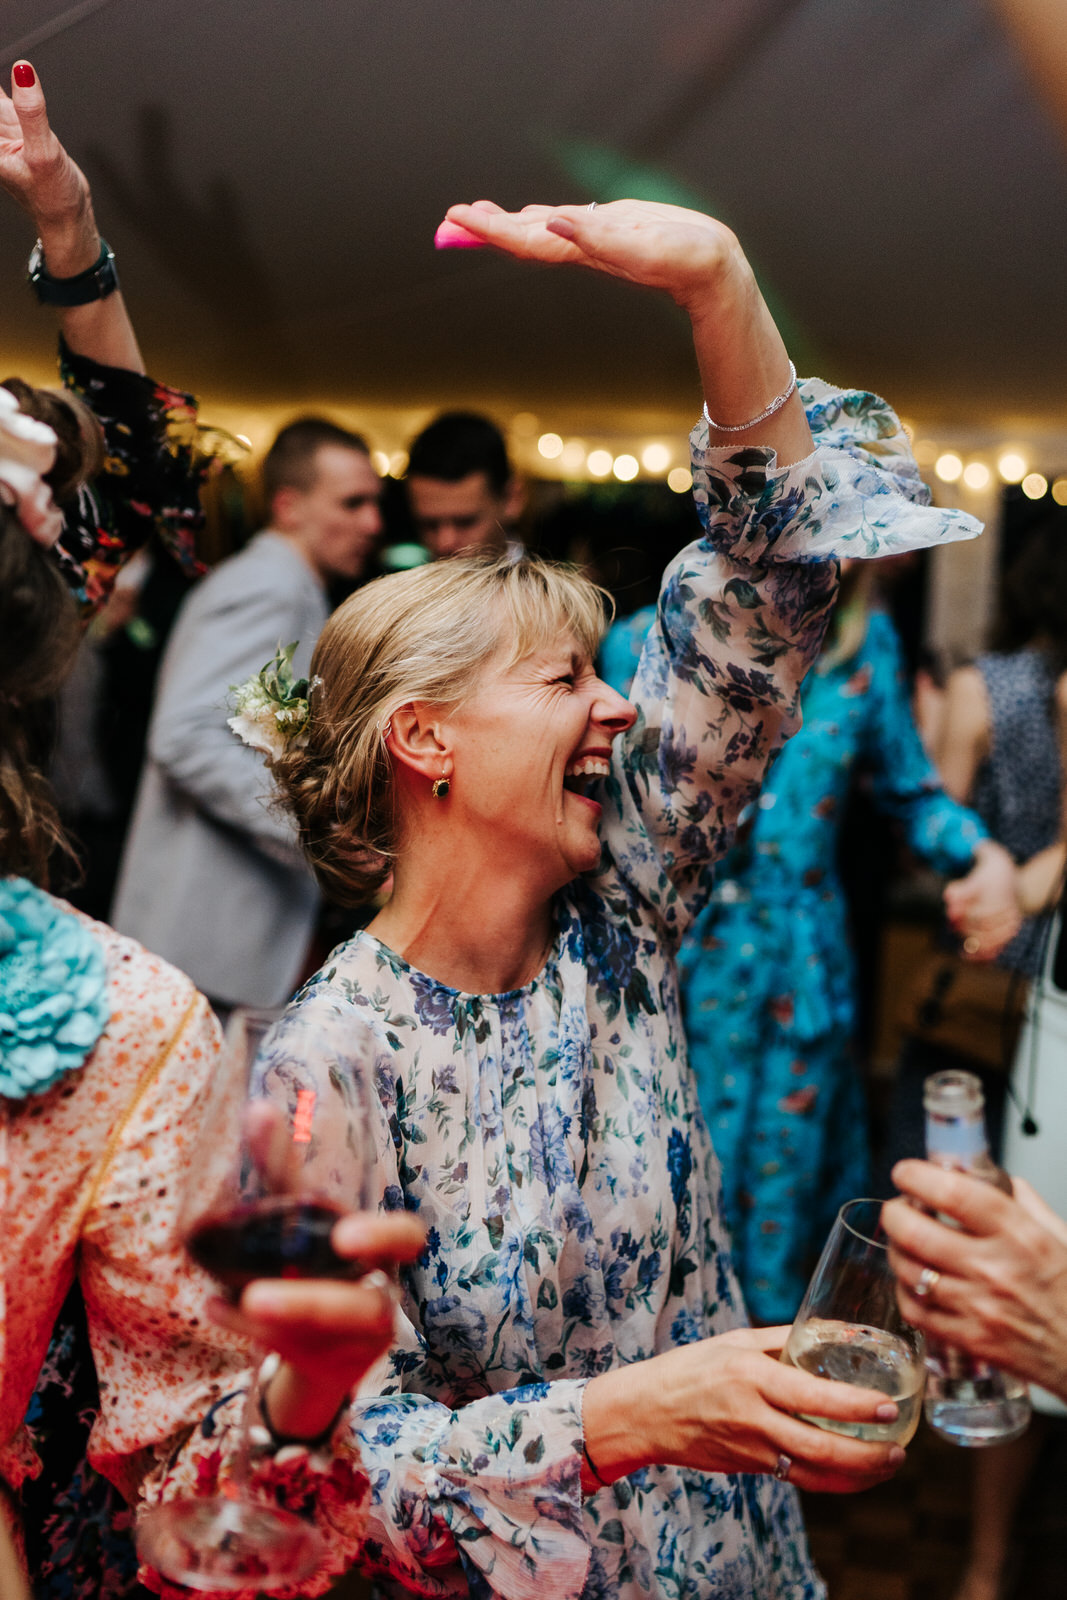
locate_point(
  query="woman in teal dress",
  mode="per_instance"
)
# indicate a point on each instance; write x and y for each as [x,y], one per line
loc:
[767,969]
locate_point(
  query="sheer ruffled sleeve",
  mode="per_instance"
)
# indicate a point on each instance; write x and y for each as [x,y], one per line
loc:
[740,620]
[493,1488]
[150,482]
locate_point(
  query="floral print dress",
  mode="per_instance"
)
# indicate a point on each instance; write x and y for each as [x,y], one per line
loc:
[550,1137]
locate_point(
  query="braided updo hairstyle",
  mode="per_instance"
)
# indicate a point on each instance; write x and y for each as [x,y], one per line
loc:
[426,634]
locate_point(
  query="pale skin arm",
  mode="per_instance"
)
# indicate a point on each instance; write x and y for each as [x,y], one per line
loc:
[700,264]
[1002,1289]
[328,1333]
[40,176]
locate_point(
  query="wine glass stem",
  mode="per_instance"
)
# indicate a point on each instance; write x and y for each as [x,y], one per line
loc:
[251,1414]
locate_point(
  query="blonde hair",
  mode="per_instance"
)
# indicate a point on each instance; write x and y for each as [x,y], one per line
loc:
[425,635]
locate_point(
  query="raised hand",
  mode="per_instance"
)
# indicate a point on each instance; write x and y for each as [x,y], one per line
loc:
[35,169]
[659,246]
[699,263]
[46,182]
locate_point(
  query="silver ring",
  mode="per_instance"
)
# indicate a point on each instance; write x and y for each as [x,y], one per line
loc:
[592,205]
[783,1467]
[929,1278]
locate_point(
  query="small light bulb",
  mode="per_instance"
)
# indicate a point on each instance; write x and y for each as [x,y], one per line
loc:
[380,462]
[598,463]
[1035,485]
[680,479]
[1012,466]
[655,458]
[625,468]
[572,459]
[976,475]
[398,463]
[550,446]
[948,467]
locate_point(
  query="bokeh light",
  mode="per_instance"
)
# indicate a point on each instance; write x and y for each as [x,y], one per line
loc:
[625,468]
[1035,484]
[680,479]
[655,458]
[598,463]
[550,445]
[1012,466]
[948,466]
[976,475]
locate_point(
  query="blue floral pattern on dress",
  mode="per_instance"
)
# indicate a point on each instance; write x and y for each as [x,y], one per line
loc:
[550,1138]
[53,990]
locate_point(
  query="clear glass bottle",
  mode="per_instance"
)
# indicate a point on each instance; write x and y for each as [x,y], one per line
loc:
[967,1402]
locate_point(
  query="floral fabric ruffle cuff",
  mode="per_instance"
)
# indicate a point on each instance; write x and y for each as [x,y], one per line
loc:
[53,990]
[858,495]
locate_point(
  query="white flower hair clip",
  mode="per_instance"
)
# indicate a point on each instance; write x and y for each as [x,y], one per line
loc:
[271,708]
[27,452]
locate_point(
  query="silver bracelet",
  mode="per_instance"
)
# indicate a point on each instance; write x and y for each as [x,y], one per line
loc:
[776,405]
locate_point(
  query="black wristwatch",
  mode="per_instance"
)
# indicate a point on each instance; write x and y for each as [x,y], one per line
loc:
[95,283]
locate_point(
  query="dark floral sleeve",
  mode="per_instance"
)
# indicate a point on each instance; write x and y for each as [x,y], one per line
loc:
[150,482]
[740,620]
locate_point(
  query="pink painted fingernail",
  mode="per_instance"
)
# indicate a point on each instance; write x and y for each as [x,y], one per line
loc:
[24,75]
[450,236]
[887,1413]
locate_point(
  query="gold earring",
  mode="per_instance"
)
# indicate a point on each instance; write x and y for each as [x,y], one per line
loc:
[441,786]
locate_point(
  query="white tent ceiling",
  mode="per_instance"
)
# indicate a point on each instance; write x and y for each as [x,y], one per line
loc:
[271,174]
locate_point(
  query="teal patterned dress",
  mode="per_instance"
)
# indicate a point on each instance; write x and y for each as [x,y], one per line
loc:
[767,972]
[550,1137]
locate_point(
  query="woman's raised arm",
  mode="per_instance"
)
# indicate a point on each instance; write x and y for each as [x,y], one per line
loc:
[744,365]
[41,177]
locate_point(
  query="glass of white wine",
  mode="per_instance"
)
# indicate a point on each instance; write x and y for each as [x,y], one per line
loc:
[849,1328]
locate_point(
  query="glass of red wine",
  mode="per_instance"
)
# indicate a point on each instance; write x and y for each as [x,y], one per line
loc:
[285,1148]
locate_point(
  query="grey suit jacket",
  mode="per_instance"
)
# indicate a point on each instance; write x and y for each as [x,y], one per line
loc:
[212,877]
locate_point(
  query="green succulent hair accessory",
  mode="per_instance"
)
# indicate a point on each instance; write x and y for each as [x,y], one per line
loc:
[271,709]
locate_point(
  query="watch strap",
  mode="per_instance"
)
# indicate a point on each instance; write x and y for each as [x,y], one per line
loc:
[95,283]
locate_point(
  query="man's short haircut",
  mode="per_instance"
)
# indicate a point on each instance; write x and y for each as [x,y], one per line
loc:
[458,443]
[290,461]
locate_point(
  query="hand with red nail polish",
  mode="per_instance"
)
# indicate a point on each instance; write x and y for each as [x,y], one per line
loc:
[40,176]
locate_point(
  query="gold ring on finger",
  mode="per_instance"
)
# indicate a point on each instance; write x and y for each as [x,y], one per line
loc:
[929,1278]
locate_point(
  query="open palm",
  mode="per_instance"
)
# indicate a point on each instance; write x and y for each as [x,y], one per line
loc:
[659,246]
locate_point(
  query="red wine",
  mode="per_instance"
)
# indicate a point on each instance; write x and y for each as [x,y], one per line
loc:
[276,1238]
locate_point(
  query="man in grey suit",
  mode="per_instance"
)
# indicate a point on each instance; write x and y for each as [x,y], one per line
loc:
[212,877]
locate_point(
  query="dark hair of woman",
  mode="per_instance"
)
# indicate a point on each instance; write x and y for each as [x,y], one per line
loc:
[1033,602]
[79,440]
[39,634]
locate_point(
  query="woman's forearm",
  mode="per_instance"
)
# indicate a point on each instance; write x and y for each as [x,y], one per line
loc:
[744,363]
[101,330]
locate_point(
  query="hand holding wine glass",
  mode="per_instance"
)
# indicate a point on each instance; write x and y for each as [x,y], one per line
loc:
[285,1152]
[850,1328]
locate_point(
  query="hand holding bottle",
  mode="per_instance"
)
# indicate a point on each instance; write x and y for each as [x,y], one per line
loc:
[1000,1285]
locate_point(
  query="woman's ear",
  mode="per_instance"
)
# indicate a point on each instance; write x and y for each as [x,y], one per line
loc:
[418,742]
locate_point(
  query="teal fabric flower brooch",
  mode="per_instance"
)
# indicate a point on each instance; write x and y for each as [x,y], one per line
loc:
[53,990]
